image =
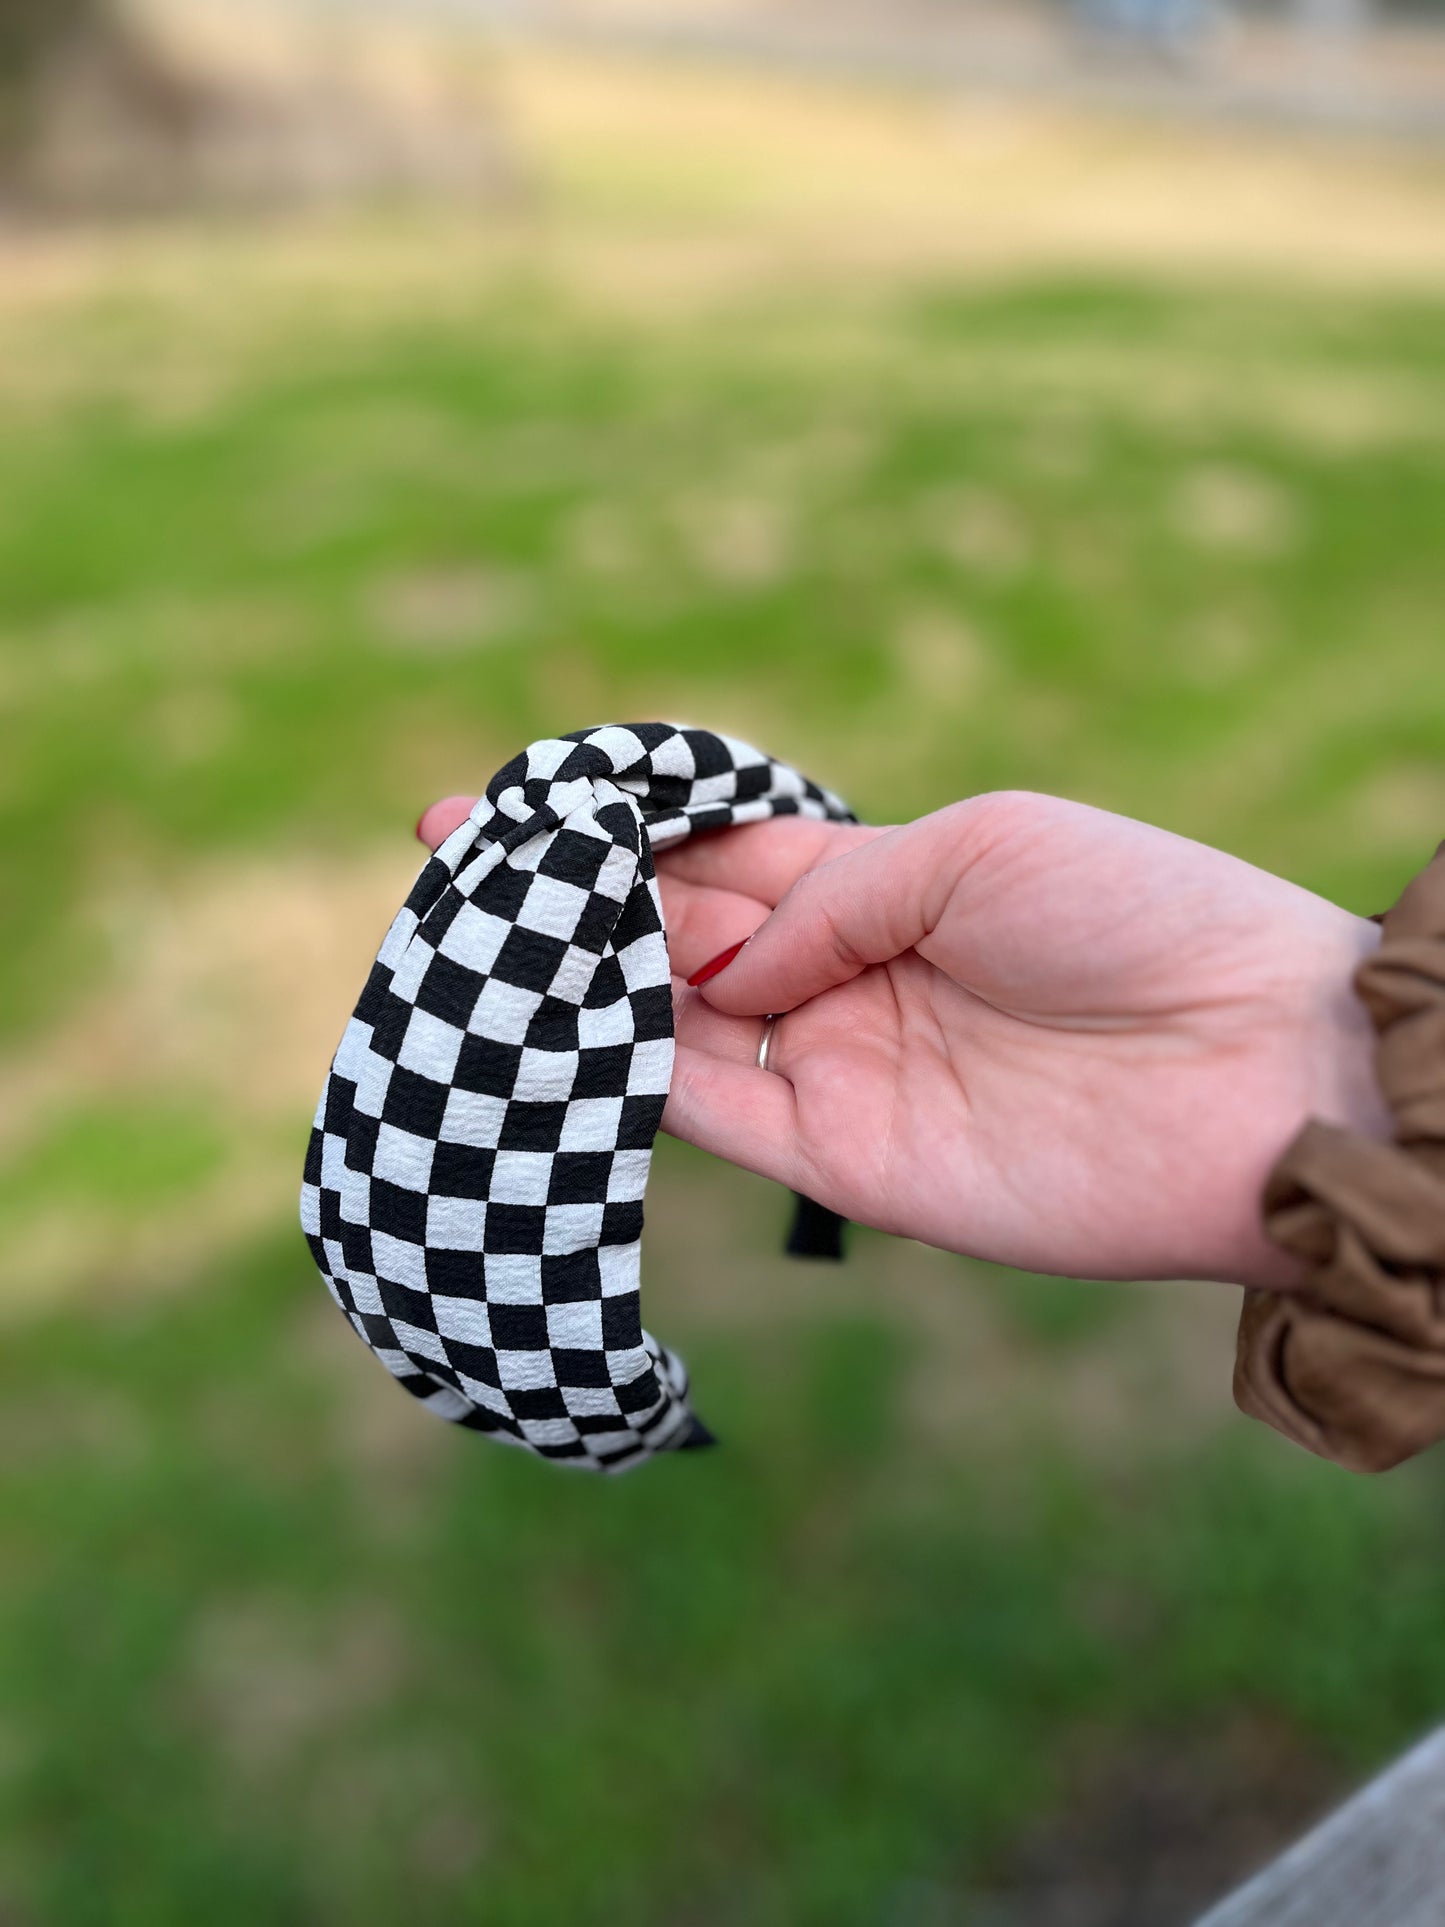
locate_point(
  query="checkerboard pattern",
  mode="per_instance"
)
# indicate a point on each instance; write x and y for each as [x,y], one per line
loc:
[474,1182]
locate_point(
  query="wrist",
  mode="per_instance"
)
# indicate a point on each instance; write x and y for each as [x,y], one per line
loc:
[1327,1073]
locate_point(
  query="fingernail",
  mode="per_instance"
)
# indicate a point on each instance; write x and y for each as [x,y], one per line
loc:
[419,821]
[715,964]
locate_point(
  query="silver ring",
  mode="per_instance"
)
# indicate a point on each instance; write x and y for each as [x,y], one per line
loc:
[764,1041]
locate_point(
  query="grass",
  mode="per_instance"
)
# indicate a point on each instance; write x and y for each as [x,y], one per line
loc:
[274,572]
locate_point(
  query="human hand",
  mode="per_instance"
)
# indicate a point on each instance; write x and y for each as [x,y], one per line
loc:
[1019,1027]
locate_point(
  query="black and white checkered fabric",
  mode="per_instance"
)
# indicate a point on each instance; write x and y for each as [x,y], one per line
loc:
[474,1182]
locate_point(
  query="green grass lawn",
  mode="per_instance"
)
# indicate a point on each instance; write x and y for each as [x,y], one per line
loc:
[274,1647]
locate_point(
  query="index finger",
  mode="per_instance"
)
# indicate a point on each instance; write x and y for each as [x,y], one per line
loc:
[762,860]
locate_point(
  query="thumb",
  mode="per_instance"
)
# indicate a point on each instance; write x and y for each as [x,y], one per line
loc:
[864,907]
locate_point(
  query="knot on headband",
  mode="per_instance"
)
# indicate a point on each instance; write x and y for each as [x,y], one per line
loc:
[475,1176]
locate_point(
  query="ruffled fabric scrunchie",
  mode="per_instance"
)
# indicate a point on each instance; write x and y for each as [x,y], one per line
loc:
[1352,1365]
[475,1175]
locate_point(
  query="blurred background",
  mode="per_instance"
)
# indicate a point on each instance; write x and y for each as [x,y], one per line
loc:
[944,395]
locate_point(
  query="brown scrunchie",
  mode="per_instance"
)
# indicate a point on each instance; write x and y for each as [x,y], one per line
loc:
[1353,1365]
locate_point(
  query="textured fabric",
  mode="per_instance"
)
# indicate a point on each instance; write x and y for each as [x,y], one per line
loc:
[474,1182]
[1353,1365]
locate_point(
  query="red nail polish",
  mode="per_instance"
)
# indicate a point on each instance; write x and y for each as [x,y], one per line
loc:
[715,964]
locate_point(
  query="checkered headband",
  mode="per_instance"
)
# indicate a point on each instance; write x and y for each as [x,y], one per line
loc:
[474,1181]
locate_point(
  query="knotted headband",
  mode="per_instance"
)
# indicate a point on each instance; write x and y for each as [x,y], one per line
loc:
[474,1181]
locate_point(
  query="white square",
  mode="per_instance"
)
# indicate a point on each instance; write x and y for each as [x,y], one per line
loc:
[366,1294]
[575,1328]
[617,875]
[526,1371]
[430,1047]
[553,907]
[618,744]
[714,789]
[573,977]
[591,1401]
[465,1319]
[549,1431]
[473,1117]
[621,1269]
[350,1056]
[571,1227]
[407,979]
[546,1076]
[487,1396]
[456,1224]
[474,937]
[333,1161]
[591,1124]
[398,1261]
[625,1368]
[644,963]
[415,1338]
[627,1180]
[606,1024]
[400,934]
[520,1177]
[649,1073]
[513,1278]
[402,1158]
[504,1011]
[373,1080]
[355,1197]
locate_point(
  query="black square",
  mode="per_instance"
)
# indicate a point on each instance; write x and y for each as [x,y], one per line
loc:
[571,1278]
[428,887]
[331,1224]
[378,1332]
[361,1136]
[504,891]
[461,1171]
[528,959]
[477,1361]
[516,1228]
[413,1103]
[518,1328]
[621,1224]
[641,1121]
[450,990]
[440,918]
[315,1146]
[553,1026]
[621,1322]
[356,1247]
[602,1070]
[340,1101]
[398,1212]
[531,1127]
[652,1013]
[581,1368]
[401,1302]
[574,858]
[641,1395]
[485,1066]
[545,1402]
[710,754]
[456,1274]
[372,1001]
[388,1027]
[608,985]
[479,1419]
[580,1177]
[596,923]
